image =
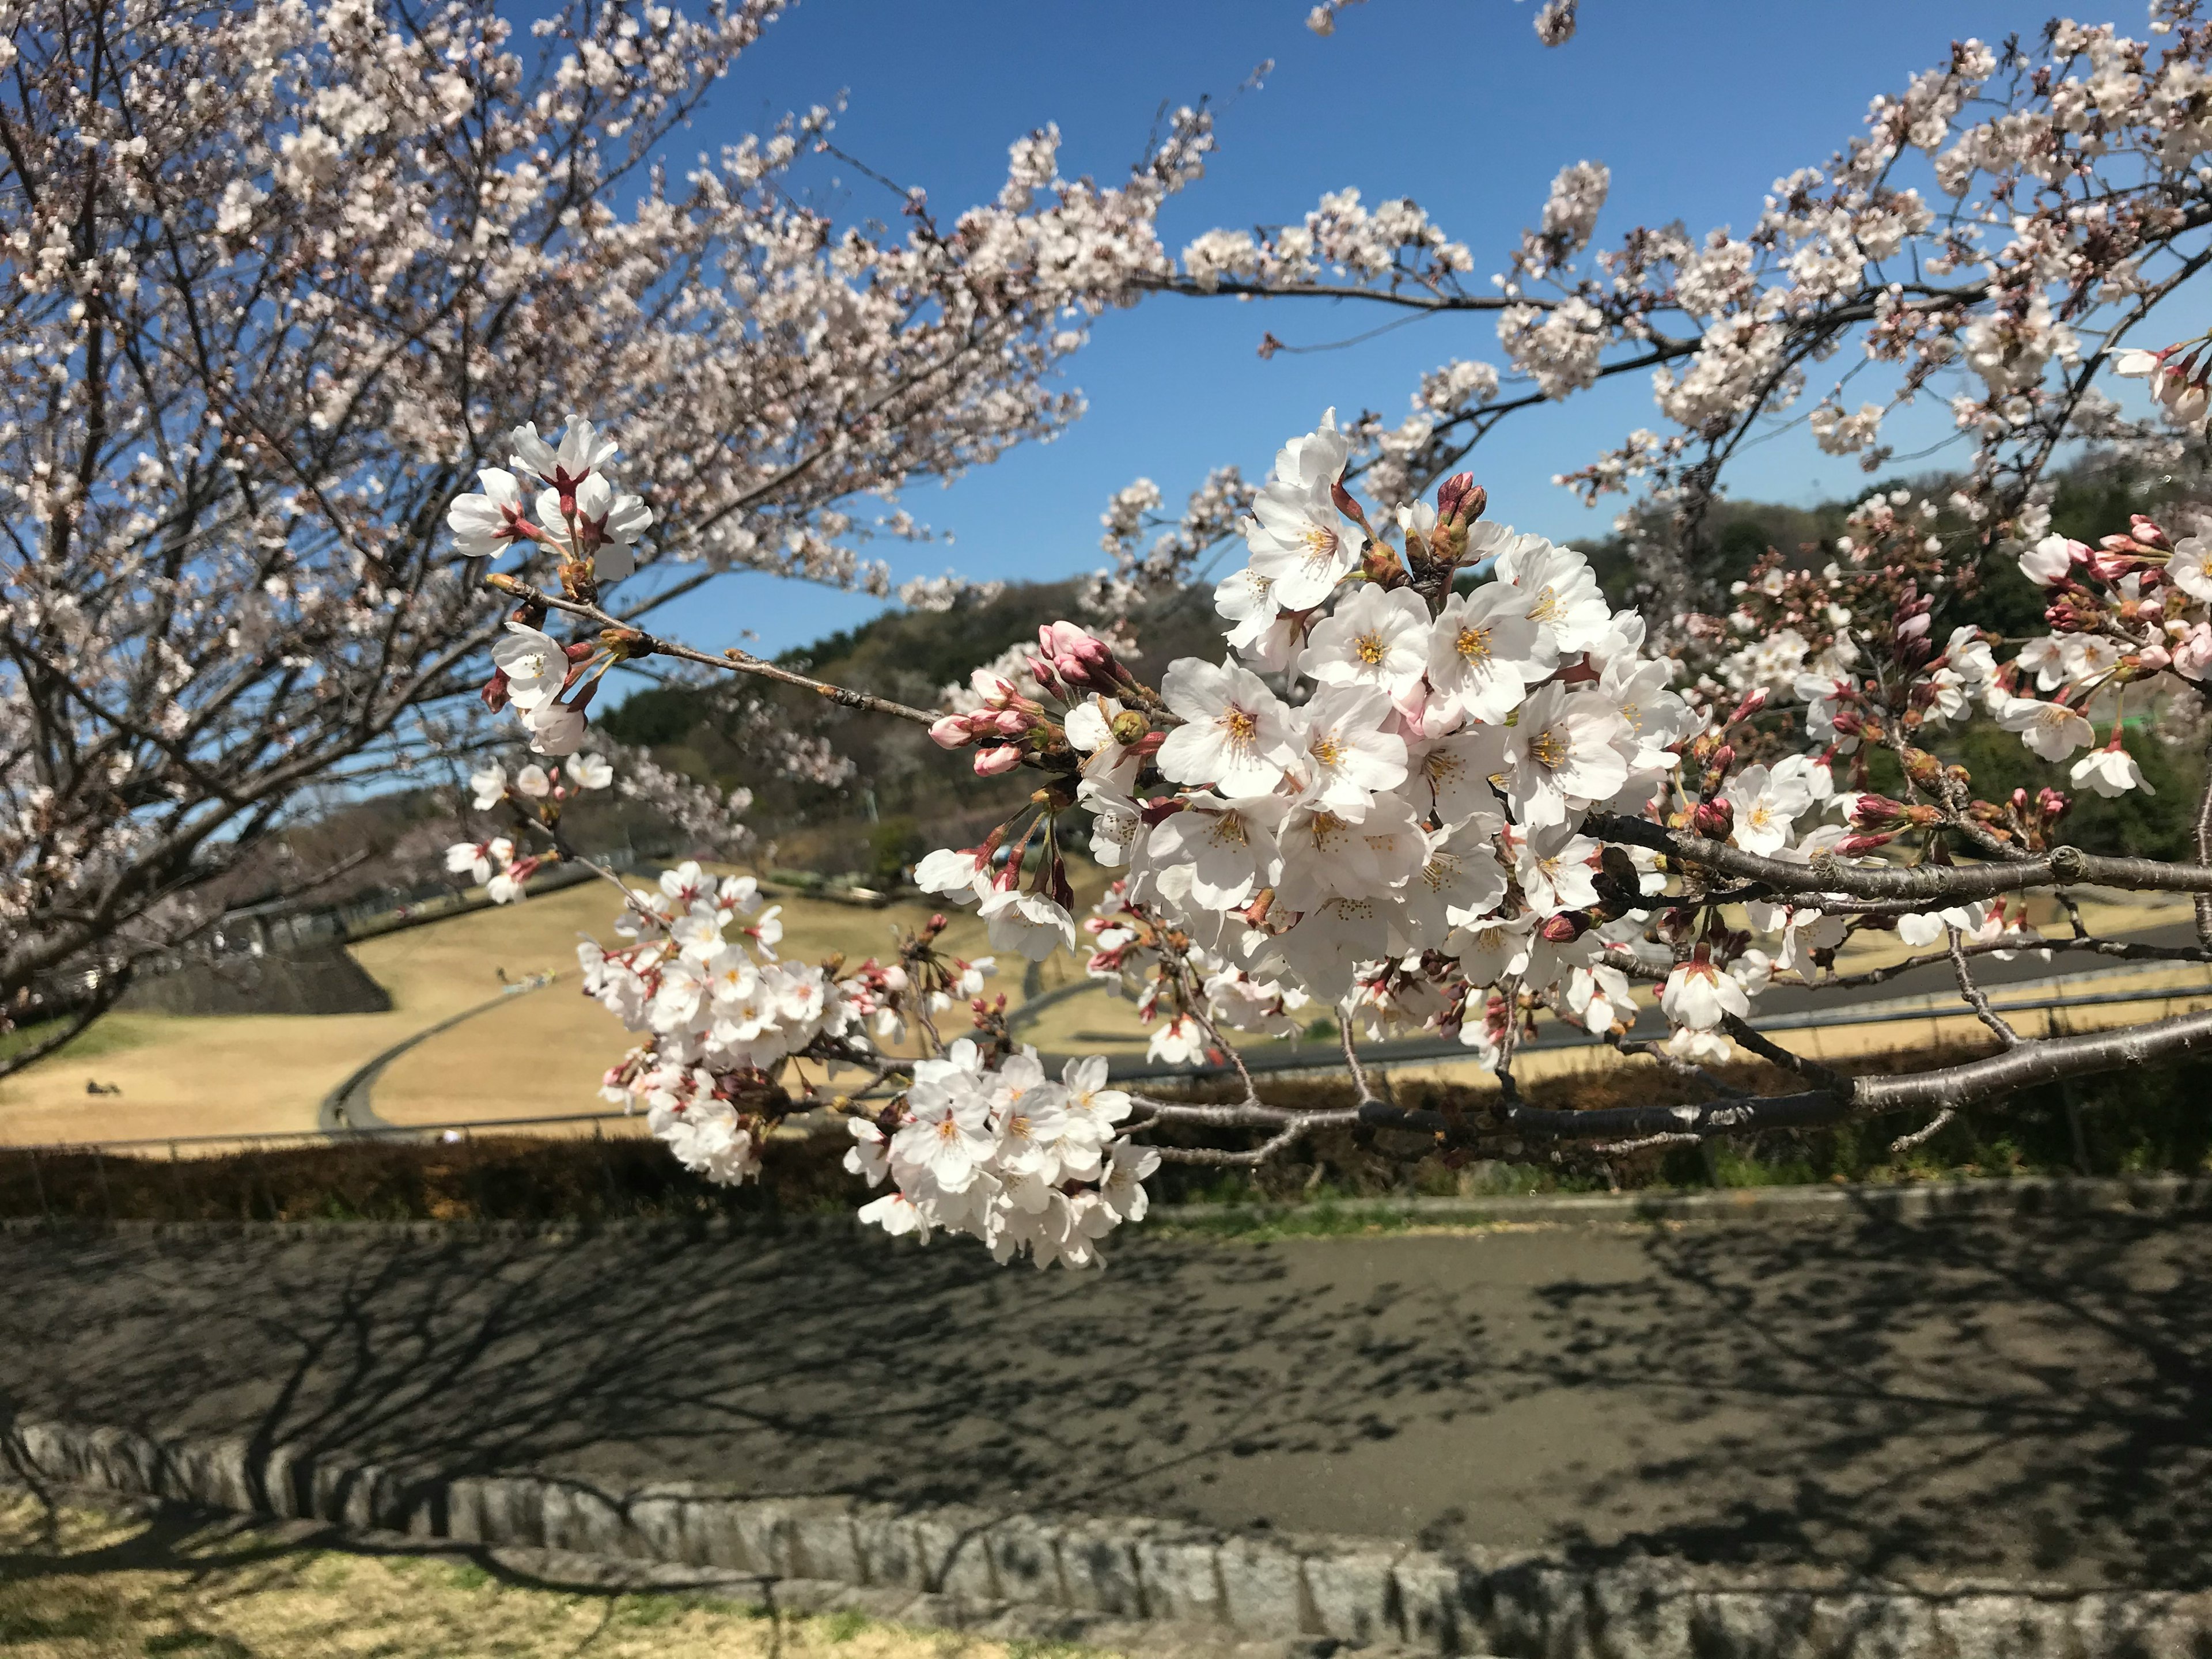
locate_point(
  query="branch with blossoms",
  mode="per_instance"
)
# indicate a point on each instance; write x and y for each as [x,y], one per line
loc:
[257,329]
[2005,229]
[1436,784]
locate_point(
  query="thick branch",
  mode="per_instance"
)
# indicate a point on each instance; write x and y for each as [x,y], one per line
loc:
[1926,884]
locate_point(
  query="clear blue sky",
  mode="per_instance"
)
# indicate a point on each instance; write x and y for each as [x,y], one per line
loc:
[1696,106]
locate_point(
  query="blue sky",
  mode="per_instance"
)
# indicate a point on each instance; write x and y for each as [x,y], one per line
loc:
[1696,106]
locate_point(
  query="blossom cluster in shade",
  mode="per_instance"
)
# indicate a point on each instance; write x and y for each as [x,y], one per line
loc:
[1029,1165]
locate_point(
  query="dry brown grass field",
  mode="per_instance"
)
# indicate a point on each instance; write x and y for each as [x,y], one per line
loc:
[77,1584]
[539,1054]
[536,1053]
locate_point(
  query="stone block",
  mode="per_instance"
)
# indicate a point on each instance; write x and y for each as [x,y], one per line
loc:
[955,1560]
[1098,1569]
[514,1510]
[1262,1589]
[1025,1560]
[233,1477]
[711,1531]
[1351,1595]
[285,1475]
[581,1520]
[822,1544]
[657,1533]
[1438,1601]
[1177,1574]
[884,1541]
[764,1532]
[465,1517]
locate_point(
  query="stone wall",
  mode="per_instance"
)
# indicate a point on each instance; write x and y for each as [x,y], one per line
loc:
[313,979]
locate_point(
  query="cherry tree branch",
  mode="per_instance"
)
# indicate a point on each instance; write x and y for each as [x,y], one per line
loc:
[640,643]
[1923,886]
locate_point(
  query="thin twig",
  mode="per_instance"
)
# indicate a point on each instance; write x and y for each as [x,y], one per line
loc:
[1927,1131]
[734,661]
[1977,999]
[1351,1051]
[1644,1143]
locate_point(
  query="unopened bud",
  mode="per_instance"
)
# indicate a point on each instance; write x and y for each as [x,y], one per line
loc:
[951,733]
[1750,706]
[1566,927]
[997,761]
[1876,812]
[1714,819]
[1459,497]
[1852,845]
[1922,767]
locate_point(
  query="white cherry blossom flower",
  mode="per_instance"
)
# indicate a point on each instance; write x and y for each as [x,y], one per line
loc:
[1027,922]
[1342,757]
[2050,729]
[1564,755]
[1564,598]
[1229,847]
[488,525]
[962,877]
[1378,637]
[1767,805]
[1553,867]
[1700,995]
[534,665]
[1236,731]
[1485,652]
[2110,771]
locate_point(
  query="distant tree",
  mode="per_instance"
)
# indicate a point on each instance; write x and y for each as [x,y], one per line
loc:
[278,278]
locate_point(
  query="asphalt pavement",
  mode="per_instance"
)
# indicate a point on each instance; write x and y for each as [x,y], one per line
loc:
[1917,1400]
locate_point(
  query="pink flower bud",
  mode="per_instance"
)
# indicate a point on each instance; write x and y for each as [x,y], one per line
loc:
[951,733]
[1750,706]
[992,762]
[1714,819]
[1457,493]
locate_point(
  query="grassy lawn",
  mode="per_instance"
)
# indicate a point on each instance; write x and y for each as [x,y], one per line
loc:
[81,1585]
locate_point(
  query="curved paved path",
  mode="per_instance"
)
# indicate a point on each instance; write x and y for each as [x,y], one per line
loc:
[1919,1400]
[349,1105]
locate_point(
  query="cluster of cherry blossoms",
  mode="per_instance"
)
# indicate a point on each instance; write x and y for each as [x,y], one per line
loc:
[1004,1154]
[1388,774]
[978,1142]
[537,794]
[1436,783]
